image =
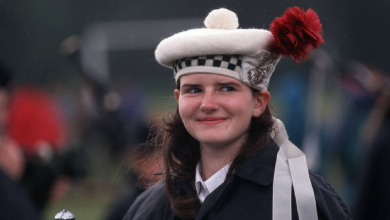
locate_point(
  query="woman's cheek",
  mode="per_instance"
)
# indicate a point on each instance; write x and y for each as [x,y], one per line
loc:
[185,108]
[189,106]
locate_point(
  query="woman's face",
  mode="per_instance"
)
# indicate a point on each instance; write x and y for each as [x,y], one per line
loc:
[216,109]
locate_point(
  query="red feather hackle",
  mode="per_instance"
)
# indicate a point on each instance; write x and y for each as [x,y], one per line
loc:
[296,33]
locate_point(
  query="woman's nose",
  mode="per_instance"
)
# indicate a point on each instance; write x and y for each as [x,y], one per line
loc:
[209,102]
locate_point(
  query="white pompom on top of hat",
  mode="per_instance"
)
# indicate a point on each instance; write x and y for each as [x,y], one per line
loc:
[221,19]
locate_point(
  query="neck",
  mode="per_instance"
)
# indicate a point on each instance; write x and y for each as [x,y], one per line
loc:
[215,157]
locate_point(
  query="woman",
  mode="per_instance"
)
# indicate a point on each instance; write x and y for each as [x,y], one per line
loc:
[225,157]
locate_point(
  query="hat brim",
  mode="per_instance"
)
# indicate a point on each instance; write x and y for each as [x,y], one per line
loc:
[198,42]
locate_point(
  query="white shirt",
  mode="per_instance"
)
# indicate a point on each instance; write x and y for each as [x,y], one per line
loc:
[204,188]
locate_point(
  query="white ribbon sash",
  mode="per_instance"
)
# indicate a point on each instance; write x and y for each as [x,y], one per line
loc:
[291,171]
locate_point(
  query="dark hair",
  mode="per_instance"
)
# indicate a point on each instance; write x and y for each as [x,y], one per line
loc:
[181,153]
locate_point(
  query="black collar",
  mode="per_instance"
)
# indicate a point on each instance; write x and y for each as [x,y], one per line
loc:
[260,168]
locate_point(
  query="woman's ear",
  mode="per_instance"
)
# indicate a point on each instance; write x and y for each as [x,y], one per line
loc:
[261,100]
[176,94]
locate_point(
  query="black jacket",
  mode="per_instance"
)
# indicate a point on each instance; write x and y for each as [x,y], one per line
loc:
[247,194]
[15,202]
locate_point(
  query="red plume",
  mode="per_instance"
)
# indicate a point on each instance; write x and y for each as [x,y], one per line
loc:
[296,32]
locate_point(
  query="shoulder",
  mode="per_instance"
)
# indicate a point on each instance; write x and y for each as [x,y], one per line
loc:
[329,203]
[151,204]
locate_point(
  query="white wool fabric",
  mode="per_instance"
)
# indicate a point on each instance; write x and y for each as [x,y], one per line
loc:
[197,42]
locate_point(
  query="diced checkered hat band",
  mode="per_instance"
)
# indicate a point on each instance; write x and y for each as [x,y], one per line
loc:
[230,62]
[229,65]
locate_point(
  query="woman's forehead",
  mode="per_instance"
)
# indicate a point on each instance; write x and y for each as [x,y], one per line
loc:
[200,78]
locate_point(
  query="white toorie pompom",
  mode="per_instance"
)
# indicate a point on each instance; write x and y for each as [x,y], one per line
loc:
[221,19]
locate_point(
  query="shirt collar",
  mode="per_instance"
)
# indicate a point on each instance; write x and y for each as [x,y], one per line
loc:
[198,178]
[211,183]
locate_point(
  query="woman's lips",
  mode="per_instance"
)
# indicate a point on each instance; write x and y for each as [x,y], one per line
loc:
[211,121]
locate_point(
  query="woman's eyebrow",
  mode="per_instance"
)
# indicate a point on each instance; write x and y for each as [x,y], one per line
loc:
[190,85]
[228,84]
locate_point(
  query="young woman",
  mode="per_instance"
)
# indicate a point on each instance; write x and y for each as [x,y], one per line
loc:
[225,156]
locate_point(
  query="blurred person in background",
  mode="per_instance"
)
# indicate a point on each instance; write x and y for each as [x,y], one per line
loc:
[144,166]
[347,136]
[344,131]
[101,122]
[373,195]
[15,202]
[37,125]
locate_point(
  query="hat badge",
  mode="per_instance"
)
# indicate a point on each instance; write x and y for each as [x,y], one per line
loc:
[258,74]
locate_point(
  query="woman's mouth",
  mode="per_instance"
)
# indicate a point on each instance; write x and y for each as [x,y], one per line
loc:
[211,120]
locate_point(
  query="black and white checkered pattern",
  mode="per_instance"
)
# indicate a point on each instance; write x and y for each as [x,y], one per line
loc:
[231,62]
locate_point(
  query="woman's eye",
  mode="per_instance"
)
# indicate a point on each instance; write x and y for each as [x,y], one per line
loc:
[227,89]
[194,90]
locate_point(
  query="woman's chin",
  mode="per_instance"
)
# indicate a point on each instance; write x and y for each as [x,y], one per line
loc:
[214,141]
